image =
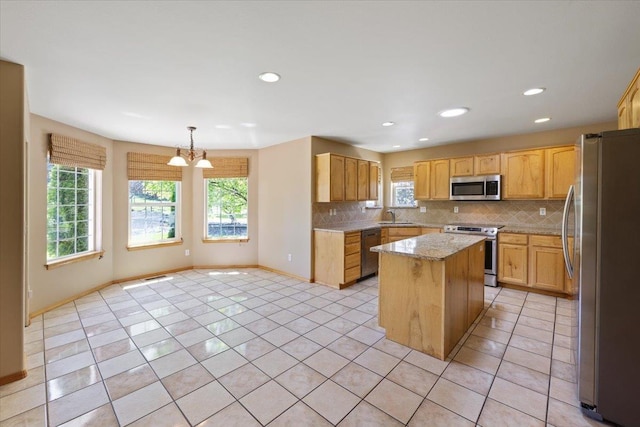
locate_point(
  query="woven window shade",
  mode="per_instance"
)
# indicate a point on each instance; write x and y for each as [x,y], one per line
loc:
[227,167]
[402,174]
[151,167]
[72,152]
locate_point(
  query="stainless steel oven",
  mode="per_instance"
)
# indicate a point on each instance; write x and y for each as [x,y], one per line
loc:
[491,246]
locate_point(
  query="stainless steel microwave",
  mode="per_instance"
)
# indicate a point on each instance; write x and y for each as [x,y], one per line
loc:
[485,187]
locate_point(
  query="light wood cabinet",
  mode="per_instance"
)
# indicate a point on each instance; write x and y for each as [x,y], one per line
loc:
[439,179]
[421,180]
[546,263]
[487,164]
[461,166]
[400,233]
[336,258]
[629,105]
[429,230]
[533,261]
[351,179]
[560,171]
[363,180]
[523,174]
[374,180]
[329,178]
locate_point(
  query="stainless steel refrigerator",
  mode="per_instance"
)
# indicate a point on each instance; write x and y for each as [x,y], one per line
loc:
[606,264]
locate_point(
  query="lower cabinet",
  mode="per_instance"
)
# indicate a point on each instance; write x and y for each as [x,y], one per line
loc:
[394,234]
[534,261]
[336,258]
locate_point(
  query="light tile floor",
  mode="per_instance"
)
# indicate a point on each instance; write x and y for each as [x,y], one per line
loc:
[249,347]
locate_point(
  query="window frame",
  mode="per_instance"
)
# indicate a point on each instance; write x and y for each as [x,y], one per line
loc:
[94,232]
[177,239]
[393,193]
[210,239]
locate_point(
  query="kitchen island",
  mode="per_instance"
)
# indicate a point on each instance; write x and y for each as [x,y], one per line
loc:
[431,289]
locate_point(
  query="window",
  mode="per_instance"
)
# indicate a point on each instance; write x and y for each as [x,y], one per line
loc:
[227,207]
[153,212]
[402,194]
[70,211]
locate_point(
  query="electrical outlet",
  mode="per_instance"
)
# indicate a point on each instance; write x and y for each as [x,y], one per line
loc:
[455,209]
[289,257]
[423,209]
[543,211]
[363,209]
[186,252]
[30,293]
[330,212]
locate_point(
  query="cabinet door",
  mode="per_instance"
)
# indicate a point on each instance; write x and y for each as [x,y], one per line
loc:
[421,179]
[561,171]
[337,178]
[546,268]
[351,179]
[374,178]
[487,164]
[523,175]
[363,180]
[512,264]
[633,102]
[461,166]
[430,230]
[439,179]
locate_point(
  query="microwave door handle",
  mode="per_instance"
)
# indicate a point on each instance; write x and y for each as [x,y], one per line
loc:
[565,232]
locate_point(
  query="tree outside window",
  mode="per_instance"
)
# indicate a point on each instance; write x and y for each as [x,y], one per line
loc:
[227,208]
[70,211]
[153,211]
[402,194]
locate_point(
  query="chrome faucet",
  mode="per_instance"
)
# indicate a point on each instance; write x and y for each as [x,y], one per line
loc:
[393,215]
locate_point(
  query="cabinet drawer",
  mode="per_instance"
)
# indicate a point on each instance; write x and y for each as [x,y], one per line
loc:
[351,274]
[353,248]
[404,231]
[352,260]
[515,239]
[351,238]
[548,241]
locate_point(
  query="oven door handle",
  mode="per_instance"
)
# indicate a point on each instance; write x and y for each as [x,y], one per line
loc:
[565,232]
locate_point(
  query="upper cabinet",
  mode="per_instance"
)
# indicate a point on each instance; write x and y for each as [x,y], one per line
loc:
[351,179]
[340,179]
[629,105]
[523,174]
[461,166]
[487,164]
[439,179]
[363,180]
[421,180]
[374,180]
[329,178]
[560,171]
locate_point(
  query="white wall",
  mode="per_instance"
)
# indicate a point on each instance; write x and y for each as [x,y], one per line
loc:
[285,207]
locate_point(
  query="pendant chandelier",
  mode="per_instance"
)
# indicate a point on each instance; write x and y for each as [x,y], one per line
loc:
[180,159]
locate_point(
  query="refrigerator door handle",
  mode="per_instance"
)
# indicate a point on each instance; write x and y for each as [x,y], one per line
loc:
[565,232]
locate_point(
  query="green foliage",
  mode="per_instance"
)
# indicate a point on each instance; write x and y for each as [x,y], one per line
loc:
[228,194]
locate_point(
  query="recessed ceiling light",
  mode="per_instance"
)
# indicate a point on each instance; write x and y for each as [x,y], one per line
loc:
[269,77]
[542,120]
[387,124]
[533,91]
[453,112]
[395,146]
[222,127]
[248,125]
[423,139]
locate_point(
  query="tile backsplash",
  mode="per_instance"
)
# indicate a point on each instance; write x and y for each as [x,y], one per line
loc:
[505,212]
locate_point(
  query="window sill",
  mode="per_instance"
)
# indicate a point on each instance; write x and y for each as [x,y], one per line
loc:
[154,245]
[225,240]
[73,259]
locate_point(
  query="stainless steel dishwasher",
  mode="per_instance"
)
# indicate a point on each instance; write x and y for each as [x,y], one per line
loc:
[368,259]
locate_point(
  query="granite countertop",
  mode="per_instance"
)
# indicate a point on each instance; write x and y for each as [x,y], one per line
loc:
[431,247]
[359,226]
[524,229]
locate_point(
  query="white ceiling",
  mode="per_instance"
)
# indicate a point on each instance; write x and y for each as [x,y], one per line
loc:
[143,71]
